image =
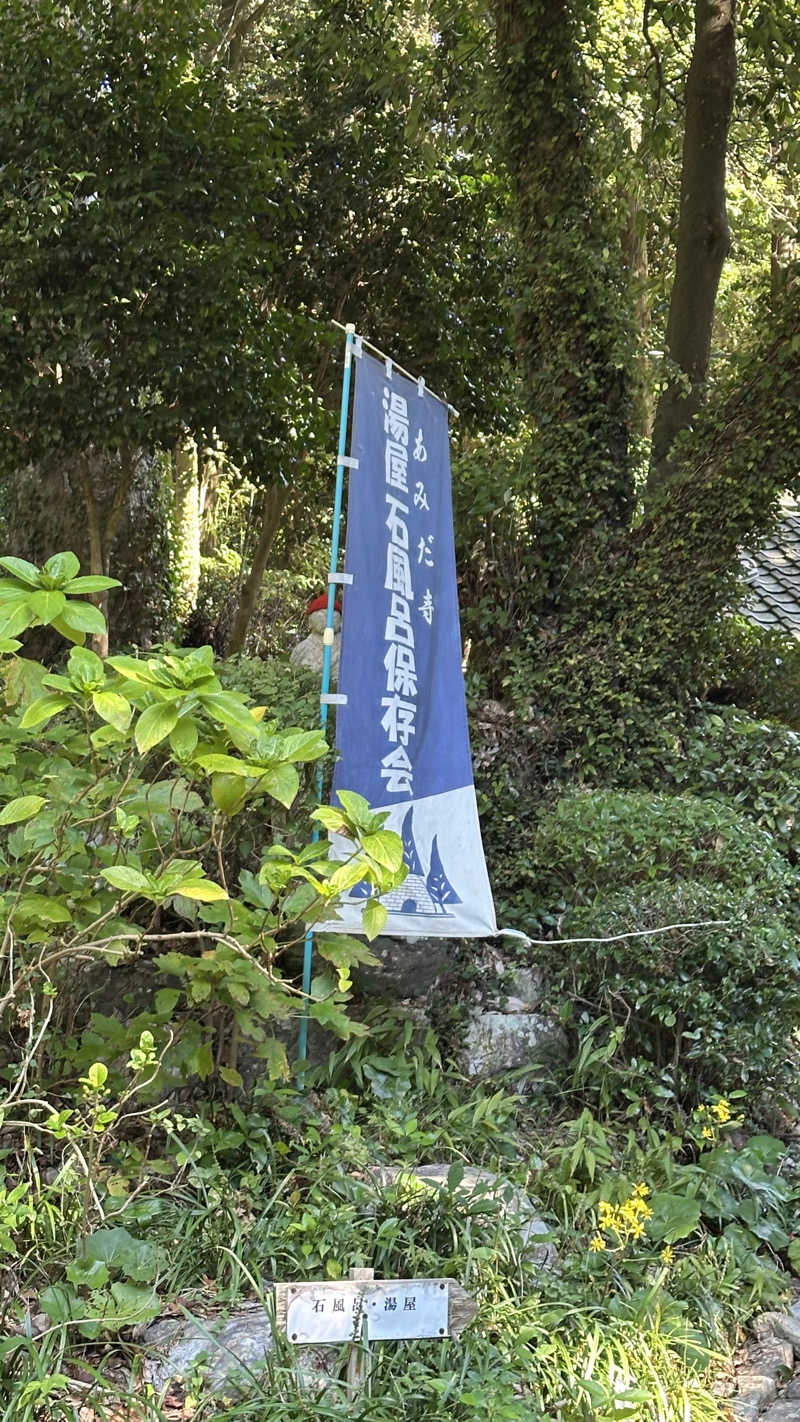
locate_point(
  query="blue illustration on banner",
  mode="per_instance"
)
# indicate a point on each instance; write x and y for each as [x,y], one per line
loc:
[402,734]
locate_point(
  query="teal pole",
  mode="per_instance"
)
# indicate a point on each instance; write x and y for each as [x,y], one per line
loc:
[327,648]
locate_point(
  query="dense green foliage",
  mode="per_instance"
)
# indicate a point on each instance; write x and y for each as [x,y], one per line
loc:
[189,195]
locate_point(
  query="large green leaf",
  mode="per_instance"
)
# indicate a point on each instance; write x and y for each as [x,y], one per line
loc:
[47,605]
[90,583]
[126,878]
[15,617]
[282,783]
[373,918]
[27,573]
[183,737]
[154,725]
[385,848]
[84,617]
[42,909]
[61,567]
[40,712]
[229,793]
[120,1252]
[23,807]
[113,708]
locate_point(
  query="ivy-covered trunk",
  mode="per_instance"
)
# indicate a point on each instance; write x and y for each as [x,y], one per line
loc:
[573,324]
[703,235]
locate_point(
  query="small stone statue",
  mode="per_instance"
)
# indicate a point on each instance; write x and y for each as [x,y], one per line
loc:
[310,651]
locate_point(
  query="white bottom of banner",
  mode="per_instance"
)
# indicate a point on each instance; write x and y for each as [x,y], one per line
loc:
[446,893]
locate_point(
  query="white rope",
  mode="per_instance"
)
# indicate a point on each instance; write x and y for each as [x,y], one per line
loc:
[616,937]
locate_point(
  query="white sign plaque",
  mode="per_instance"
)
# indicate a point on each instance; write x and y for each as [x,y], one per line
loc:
[392,1308]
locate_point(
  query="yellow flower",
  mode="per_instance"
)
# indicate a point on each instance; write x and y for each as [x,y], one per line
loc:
[722,1111]
[597,1244]
[641,1190]
[707,1133]
[667,1255]
[605,1214]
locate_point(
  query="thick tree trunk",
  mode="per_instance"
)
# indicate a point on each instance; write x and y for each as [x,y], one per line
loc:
[103,523]
[274,501]
[703,236]
[186,524]
[573,336]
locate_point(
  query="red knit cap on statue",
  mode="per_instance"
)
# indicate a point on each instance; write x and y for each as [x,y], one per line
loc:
[320,604]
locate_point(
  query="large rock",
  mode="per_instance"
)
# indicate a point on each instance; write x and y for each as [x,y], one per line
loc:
[503,1041]
[226,1352]
[407,968]
[475,1185]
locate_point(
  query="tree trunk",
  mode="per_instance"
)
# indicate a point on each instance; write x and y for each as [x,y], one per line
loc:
[104,524]
[573,330]
[634,246]
[703,235]
[274,501]
[186,525]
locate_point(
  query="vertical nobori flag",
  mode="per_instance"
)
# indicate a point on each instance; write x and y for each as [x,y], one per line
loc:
[402,732]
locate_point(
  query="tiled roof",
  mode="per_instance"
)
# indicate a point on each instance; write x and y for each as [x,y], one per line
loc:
[773,574]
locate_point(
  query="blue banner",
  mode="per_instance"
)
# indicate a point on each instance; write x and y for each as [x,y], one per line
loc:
[402,733]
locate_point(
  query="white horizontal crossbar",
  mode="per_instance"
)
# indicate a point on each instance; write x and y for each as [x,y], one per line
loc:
[347,461]
[345,578]
[333,698]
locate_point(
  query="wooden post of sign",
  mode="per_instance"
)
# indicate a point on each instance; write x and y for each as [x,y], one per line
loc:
[358,1359]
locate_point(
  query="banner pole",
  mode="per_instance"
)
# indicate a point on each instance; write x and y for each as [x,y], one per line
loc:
[308,947]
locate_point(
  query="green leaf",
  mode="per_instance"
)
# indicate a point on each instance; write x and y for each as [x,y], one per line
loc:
[15,618]
[226,710]
[302,745]
[356,808]
[154,725]
[346,876]
[385,847]
[61,567]
[373,918]
[166,1000]
[24,807]
[59,625]
[26,572]
[231,1077]
[60,1303]
[330,817]
[41,711]
[83,617]
[183,737]
[123,1254]
[274,1054]
[97,1076]
[674,1217]
[85,668]
[342,950]
[47,605]
[130,881]
[113,708]
[201,891]
[42,909]
[92,1273]
[229,793]
[90,583]
[282,783]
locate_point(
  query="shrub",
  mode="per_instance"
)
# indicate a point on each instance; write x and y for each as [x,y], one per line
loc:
[122,787]
[712,1006]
